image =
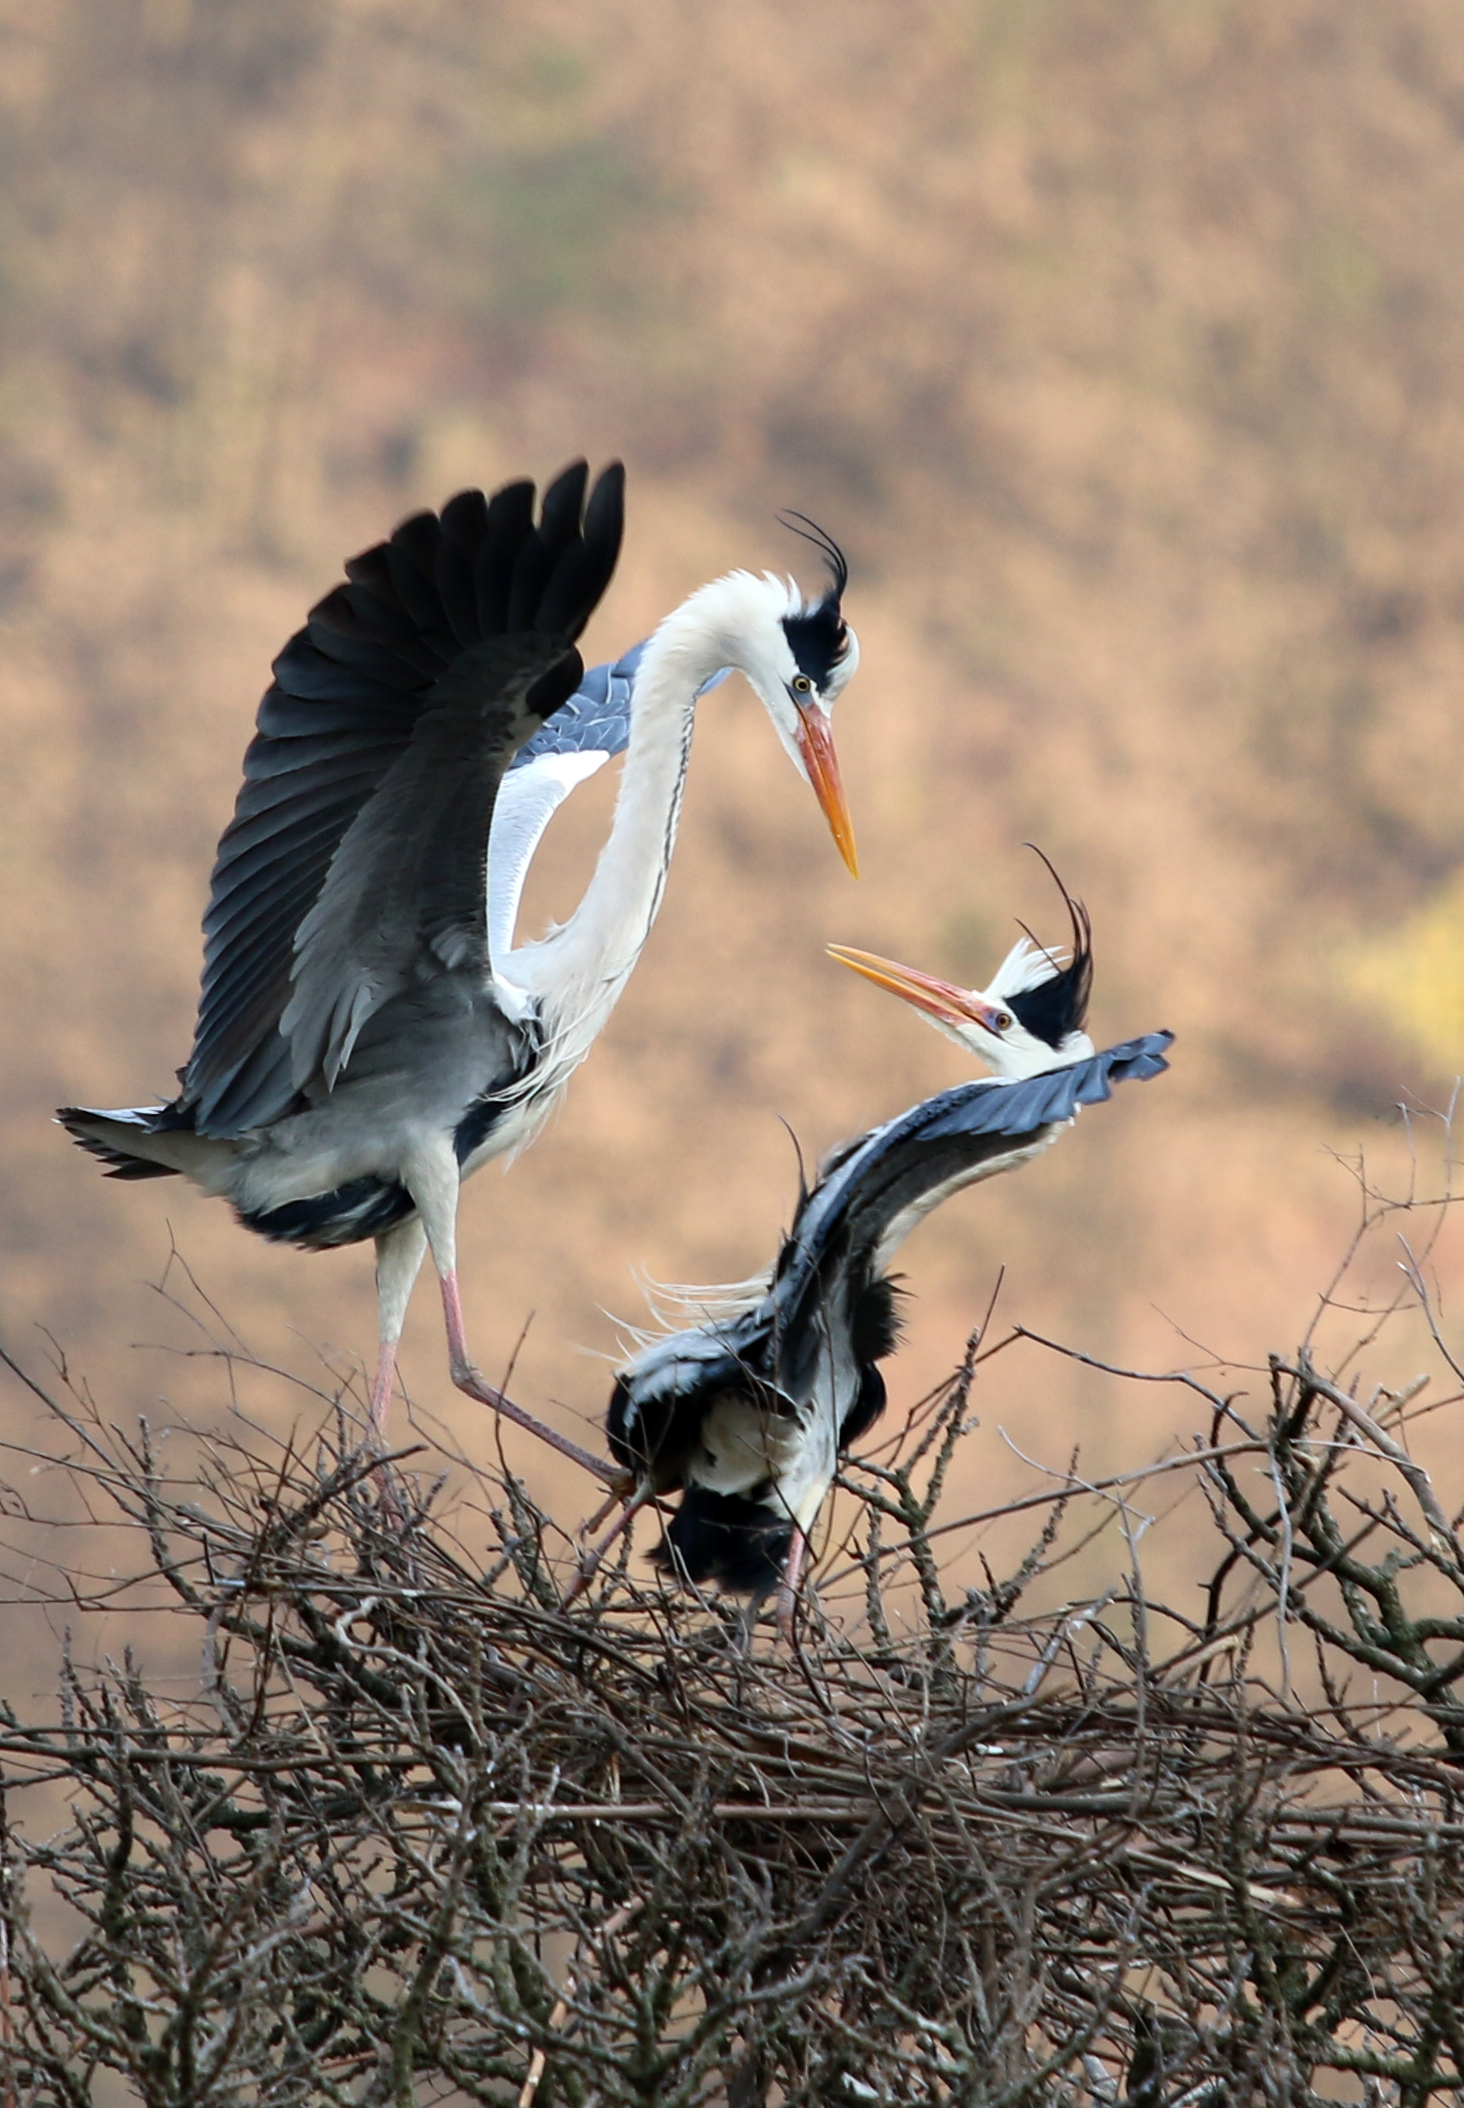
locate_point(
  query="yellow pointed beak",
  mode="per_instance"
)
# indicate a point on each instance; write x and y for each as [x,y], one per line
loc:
[816,745]
[938,999]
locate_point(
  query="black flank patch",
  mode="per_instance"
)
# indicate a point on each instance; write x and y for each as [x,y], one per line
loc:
[364,1207]
[475,1126]
[866,1409]
[875,1322]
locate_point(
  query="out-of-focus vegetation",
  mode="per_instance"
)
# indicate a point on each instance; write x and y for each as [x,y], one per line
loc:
[1121,344]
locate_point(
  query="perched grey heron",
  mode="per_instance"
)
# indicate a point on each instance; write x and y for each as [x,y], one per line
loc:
[368,1033]
[746,1415]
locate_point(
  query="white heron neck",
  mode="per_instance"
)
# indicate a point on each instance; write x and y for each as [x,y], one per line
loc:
[578,970]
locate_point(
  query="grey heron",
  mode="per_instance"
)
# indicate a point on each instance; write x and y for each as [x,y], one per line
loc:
[746,1415]
[368,1032]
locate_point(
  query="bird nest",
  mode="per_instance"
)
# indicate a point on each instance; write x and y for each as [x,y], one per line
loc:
[418,1832]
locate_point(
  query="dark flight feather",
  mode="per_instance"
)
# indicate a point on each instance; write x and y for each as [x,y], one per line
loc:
[348,701]
[827,1285]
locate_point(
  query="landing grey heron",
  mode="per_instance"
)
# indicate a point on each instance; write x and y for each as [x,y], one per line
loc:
[368,1033]
[746,1416]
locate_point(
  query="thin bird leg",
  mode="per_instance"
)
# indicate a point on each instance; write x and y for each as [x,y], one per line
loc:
[590,1560]
[399,1256]
[381,1389]
[469,1378]
[788,1586]
[432,1181]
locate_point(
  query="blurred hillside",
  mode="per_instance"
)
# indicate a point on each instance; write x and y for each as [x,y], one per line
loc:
[1122,344]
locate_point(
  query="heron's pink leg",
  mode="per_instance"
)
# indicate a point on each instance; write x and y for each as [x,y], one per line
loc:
[468,1378]
[386,1354]
[788,1586]
[381,1386]
[590,1560]
[620,1491]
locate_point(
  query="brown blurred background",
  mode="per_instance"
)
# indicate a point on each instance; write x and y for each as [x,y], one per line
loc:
[1122,345]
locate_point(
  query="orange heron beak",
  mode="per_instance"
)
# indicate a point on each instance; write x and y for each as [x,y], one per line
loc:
[938,999]
[816,745]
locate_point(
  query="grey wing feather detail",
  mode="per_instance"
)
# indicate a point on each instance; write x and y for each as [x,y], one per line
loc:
[581,736]
[406,889]
[596,719]
[348,692]
[836,1237]
[875,1178]
[597,716]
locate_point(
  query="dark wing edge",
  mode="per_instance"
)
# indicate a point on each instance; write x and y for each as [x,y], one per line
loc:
[102,1135]
[347,694]
[879,1175]
[406,896]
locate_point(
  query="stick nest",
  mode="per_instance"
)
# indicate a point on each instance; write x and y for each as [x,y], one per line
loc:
[408,1830]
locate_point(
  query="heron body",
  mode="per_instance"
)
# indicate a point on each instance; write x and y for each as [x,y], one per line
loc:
[746,1415]
[368,1034]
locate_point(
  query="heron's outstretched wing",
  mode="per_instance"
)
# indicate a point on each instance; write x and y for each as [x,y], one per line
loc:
[878,1187]
[868,1196]
[405,896]
[365,683]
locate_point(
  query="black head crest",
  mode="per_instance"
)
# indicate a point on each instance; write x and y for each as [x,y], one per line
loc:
[818,637]
[809,530]
[1059,1006]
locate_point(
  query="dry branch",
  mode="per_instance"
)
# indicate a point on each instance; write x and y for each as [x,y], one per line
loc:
[419,1831]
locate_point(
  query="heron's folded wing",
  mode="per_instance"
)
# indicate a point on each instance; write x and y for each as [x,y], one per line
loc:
[348,692]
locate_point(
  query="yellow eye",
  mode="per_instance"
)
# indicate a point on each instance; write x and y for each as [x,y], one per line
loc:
[802,685]
[1002,1021]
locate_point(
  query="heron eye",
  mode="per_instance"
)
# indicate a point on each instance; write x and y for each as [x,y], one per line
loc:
[1001,1021]
[802,685]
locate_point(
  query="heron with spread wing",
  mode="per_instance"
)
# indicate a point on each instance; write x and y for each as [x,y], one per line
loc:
[747,1415]
[368,1032]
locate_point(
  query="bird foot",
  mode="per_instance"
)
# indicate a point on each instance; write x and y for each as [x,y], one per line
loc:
[592,1555]
[621,1490]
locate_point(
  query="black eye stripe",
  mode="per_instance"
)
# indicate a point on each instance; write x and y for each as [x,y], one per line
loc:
[818,640]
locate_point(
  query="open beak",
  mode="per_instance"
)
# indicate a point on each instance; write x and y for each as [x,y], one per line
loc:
[816,745]
[938,999]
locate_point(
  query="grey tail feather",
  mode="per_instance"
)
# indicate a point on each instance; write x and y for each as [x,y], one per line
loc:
[84,1127]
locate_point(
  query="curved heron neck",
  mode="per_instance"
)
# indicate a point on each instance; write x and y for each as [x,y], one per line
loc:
[578,969]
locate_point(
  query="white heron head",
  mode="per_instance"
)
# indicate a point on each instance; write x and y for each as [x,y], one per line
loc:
[798,655]
[1028,1019]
